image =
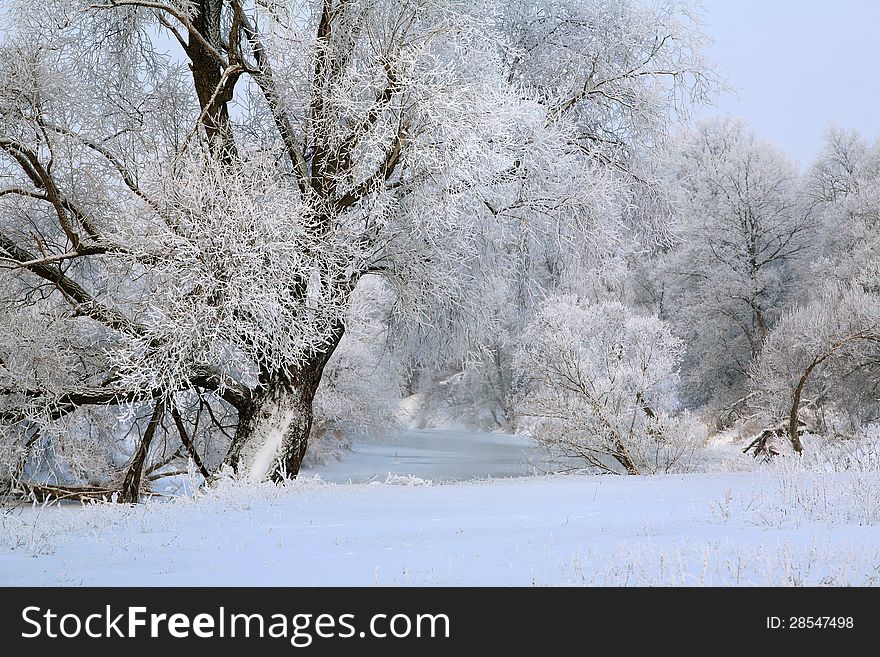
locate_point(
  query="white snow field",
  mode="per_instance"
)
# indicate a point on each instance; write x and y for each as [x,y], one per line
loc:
[771,526]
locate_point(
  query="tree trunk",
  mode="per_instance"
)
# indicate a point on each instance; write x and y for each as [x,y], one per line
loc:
[131,485]
[213,86]
[622,456]
[273,430]
[274,426]
[794,412]
[793,436]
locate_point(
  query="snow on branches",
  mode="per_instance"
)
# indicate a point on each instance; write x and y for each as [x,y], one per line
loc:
[823,353]
[600,383]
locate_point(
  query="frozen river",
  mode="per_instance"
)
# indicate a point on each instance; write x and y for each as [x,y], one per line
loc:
[438,455]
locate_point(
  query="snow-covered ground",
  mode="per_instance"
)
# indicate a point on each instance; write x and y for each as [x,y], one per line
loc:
[772,526]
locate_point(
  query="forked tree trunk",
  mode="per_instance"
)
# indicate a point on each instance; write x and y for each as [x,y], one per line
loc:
[274,426]
[214,87]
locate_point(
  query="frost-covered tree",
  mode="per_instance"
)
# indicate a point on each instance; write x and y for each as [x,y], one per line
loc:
[599,383]
[181,233]
[621,73]
[844,185]
[824,352]
[739,228]
[620,68]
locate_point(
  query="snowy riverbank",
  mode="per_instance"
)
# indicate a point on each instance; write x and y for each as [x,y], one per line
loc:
[768,527]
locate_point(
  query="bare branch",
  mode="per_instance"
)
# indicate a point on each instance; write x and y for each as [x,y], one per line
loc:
[178,15]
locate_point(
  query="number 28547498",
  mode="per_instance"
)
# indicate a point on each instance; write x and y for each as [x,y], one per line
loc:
[809,622]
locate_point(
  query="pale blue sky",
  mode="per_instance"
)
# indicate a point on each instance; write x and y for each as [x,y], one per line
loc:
[798,66]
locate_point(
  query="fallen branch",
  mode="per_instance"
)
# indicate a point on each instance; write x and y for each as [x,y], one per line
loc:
[60,493]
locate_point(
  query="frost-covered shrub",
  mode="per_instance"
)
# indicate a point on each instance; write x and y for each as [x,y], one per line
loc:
[598,384]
